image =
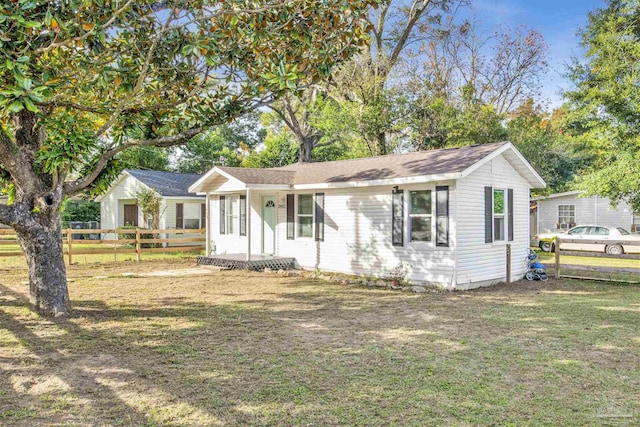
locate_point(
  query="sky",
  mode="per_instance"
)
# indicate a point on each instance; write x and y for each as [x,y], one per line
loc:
[558,21]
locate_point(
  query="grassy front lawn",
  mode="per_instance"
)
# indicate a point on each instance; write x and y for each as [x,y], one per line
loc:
[238,348]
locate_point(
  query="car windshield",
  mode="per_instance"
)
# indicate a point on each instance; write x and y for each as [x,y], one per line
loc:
[623,231]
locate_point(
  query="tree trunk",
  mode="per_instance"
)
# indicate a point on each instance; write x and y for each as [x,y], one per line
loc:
[42,246]
[306,147]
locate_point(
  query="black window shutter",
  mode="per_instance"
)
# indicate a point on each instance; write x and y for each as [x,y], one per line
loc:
[243,215]
[222,214]
[203,215]
[442,216]
[397,226]
[488,214]
[319,217]
[510,213]
[291,218]
[179,215]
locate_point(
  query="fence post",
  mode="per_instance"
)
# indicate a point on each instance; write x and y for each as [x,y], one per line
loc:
[138,244]
[557,266]
[69,239]
[508,263]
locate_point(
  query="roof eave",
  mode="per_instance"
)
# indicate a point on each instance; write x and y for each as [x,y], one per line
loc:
[534,179]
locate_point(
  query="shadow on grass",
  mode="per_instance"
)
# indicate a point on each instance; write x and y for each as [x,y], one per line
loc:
[309,353]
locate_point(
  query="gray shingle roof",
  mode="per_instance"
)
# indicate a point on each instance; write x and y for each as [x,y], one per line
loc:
[167,184]
[432,162]
[260,176]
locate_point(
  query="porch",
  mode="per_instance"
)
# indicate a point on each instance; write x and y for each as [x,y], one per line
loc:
[240,262]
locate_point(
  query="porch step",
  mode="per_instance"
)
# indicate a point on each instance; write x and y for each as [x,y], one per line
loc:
[239,262]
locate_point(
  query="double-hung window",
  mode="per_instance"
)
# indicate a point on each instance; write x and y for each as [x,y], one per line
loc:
[498,214]
[232,211]
[305,215]
[420,216]
[566,216]
[499,210]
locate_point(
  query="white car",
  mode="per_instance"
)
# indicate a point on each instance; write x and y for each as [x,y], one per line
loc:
[546,241]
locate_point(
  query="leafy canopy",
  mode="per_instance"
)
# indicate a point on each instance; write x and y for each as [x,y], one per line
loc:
[604,109]
[96,77]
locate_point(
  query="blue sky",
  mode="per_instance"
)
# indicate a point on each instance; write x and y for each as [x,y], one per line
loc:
[558,21]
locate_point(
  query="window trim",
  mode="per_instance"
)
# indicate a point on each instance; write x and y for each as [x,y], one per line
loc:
[229,217]
[312,215]
[503,215]
[573,216]
[429,215]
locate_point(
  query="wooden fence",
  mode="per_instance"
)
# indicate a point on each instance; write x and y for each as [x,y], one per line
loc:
[595,268]
[133,241]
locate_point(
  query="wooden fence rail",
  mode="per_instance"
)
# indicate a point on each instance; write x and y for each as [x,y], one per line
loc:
[604,269]
[138,241]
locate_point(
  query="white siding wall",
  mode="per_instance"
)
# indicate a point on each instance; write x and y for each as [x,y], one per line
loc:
[357,236]
[112,205]
[588,210]
[481,263]
[358,233]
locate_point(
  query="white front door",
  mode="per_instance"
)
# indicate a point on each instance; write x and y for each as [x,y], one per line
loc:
[268,225]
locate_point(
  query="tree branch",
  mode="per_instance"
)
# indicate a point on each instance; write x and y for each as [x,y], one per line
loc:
[72,188]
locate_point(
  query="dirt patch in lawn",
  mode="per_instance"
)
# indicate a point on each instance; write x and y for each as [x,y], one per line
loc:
[170,344]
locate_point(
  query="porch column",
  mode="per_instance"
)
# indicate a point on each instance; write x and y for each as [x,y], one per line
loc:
[248,224]
[207,225]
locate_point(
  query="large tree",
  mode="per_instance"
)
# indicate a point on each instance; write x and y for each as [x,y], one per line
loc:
[364,88]
[604,108]
[85,80]
[226,144]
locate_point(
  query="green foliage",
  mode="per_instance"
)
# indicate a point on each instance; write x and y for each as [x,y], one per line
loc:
[105,76]
[146,158]
[80,210]
[544,144]
[604,108]
[279,150]
[149,202]
[226,144]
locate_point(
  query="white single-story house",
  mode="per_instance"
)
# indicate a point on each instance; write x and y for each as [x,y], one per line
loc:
[179,208]
[562,211]
[447,215]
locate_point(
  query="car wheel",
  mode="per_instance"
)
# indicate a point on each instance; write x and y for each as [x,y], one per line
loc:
[545,246]
[614,250]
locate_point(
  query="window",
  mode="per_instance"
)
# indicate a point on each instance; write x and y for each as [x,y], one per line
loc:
[420,216]
[191,224]
[635,227]
[232,214]
[578,230]
[499,210]
[566,216]
[305,215]
[188,216]
[623,231]
[598,231]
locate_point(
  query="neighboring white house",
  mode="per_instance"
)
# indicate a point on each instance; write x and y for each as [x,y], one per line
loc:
[562,211]
[179,208]
[446,214]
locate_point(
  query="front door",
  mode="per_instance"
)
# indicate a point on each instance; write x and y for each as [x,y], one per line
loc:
[268,225]
[131,215]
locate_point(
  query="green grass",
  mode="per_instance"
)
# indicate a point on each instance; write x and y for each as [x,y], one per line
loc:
[239,348]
